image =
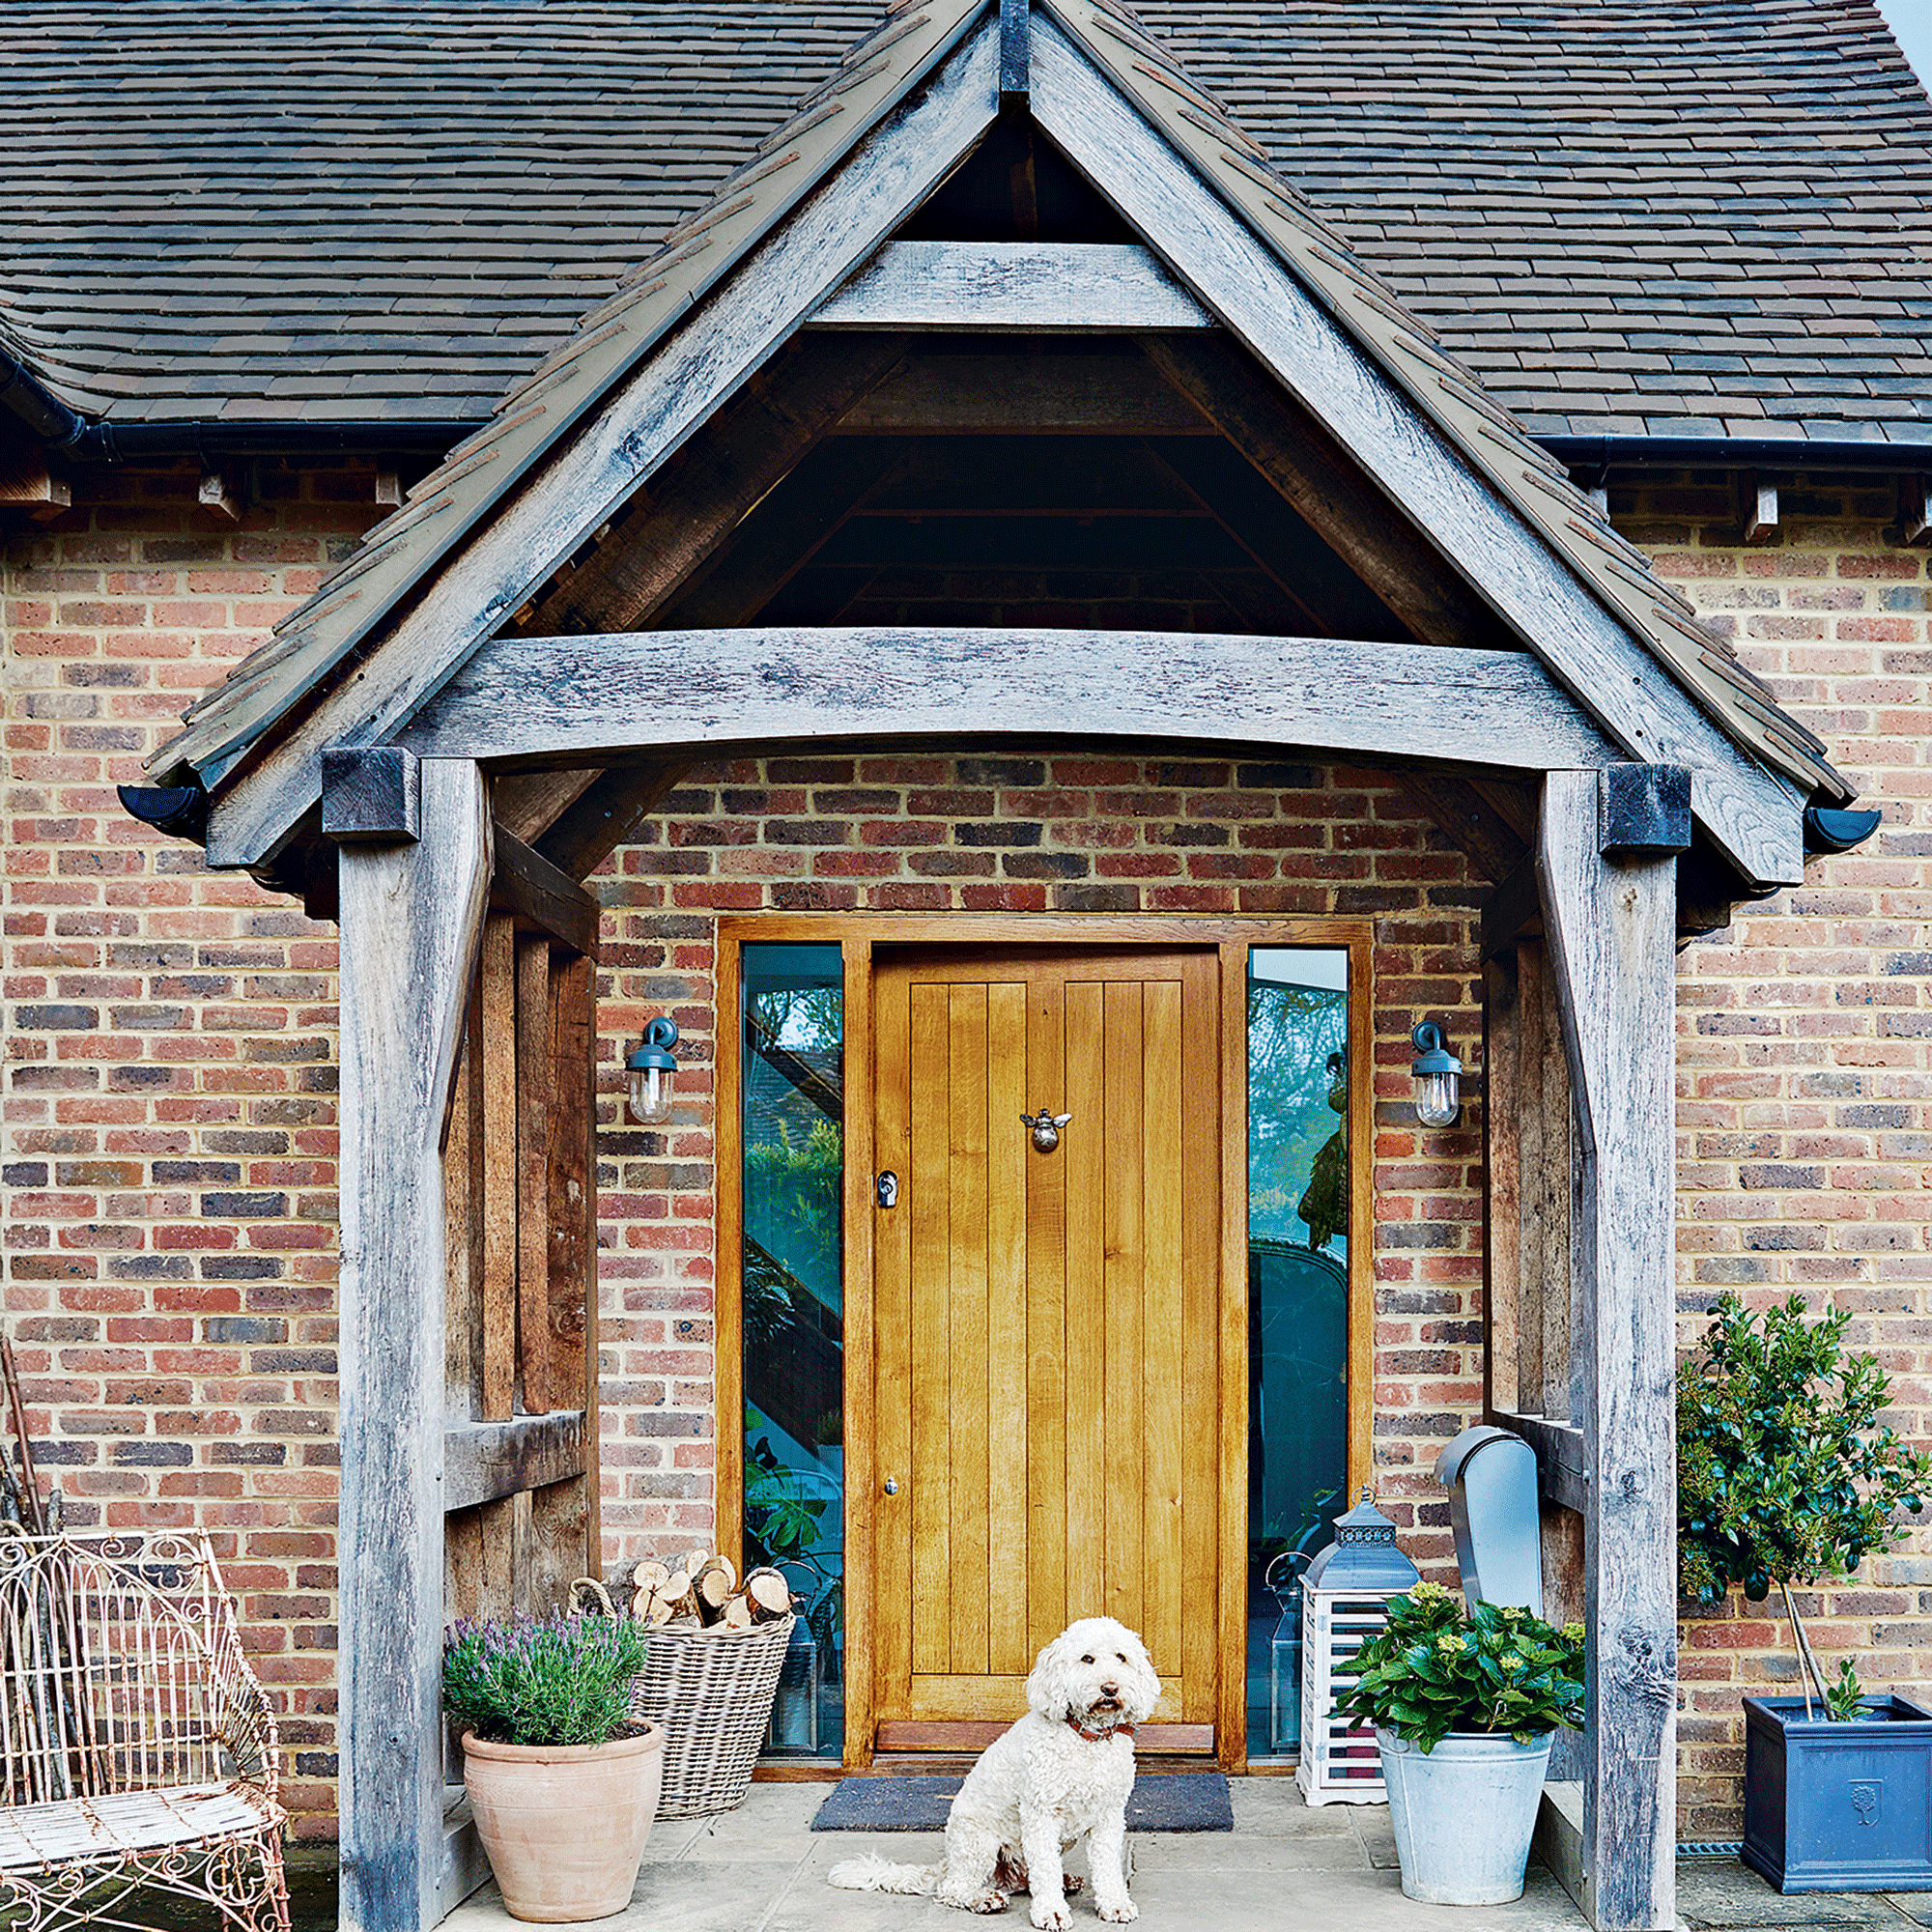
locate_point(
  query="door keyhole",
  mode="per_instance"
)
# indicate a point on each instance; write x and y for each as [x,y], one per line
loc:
[886,1190]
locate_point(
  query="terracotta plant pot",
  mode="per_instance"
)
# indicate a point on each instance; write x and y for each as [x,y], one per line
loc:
[564,1824]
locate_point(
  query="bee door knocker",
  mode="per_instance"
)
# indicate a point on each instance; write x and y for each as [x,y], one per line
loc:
[1045,1128]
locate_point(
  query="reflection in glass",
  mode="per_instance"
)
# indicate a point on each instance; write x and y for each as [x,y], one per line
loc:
[793,1144]
[1297,1306]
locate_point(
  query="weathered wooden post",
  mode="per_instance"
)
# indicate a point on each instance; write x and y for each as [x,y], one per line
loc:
[1607,869]
[414,859]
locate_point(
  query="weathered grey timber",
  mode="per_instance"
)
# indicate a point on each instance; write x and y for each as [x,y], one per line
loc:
[1751,815]
[411,919]
[650,414]
[1610,928]
[482,1461]
[374,793]
[1030,286]
[527,883]
[669,691]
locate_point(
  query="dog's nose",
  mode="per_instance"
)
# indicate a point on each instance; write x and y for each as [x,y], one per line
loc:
[1110,1689]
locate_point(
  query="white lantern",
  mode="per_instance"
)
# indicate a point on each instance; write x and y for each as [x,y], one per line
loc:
[1344,1604]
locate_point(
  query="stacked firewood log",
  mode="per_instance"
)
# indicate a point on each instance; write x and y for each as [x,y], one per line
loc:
[704,1588]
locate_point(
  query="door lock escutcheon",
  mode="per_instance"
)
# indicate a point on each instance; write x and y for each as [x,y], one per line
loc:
[886,1189]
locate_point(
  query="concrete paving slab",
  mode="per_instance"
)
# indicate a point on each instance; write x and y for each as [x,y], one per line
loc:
[683,1896]
[1273,1807]
[1364,1901]
[1726,1893]
[1227,1851]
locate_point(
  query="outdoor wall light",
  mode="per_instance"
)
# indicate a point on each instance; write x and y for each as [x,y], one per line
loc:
[1437,1073]
[652,1071]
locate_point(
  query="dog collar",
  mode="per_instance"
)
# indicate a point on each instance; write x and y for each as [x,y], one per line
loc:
[1101,1736]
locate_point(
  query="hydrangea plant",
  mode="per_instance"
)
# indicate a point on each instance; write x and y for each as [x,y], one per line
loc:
[1437,1668]
[559,1680]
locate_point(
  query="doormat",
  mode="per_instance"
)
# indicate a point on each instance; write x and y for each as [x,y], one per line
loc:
[1192,1801]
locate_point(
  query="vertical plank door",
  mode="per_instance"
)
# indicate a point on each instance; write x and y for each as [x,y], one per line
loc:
[1038,1384]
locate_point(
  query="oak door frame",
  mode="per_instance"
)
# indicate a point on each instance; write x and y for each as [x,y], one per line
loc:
[858,935]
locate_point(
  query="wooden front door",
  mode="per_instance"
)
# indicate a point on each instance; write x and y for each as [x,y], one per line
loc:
[1046,1396]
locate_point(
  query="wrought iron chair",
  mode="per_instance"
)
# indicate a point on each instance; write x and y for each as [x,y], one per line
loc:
[136,1747]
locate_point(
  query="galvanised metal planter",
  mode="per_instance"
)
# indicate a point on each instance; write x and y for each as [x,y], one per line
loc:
[1463,1814]
[1838,1807]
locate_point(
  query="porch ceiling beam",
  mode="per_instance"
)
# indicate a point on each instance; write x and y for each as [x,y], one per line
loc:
[679,521]
[1028,287]
[698,692]
[1751,813]
[1051,393]
[783,534]
[1323,483]
[659,404]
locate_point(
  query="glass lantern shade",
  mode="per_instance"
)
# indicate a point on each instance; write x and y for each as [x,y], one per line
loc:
[651,1073]
[1437,1075]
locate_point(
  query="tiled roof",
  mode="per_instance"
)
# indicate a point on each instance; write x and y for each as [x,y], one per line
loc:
[1663,217]
[359,209]
[1628,216]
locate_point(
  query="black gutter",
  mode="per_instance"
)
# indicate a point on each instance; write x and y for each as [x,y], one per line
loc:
[131,442]
[38,406]
[1595,454]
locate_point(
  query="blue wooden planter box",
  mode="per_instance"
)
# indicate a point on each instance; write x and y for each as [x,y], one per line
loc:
[1838,1807]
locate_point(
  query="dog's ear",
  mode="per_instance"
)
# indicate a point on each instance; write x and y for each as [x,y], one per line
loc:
[1048,1690]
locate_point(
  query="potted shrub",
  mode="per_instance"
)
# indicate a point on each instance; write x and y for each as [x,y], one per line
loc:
[1464,1705]
[562,1779]
[1785,1476]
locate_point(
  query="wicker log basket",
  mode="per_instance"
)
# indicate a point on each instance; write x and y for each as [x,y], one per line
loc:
[711,1690]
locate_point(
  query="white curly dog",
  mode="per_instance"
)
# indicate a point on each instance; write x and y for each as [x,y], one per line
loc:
[1063,1770]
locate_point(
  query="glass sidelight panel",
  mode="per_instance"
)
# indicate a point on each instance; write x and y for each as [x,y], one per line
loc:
[1298,1195]
[793,1140]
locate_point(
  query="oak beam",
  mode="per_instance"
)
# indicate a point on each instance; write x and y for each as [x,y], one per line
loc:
[1325,486]
[482,1461]
[1025,395]
[1610,928]
[672,528]
[783,534]
[1030,286]
[698,692]
[411,919]
[606,815]
[528,884]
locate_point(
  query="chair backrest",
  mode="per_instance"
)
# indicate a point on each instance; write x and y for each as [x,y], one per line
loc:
[121,1667]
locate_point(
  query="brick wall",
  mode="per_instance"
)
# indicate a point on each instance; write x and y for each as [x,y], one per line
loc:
[169,1104]
[169,1131]
[1804,1048]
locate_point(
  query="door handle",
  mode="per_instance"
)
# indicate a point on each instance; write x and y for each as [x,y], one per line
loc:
[886,1189]
[891,1486]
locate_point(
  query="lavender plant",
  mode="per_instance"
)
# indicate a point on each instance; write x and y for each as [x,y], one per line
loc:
[559,1680]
